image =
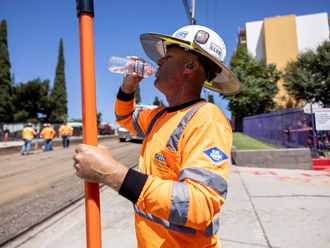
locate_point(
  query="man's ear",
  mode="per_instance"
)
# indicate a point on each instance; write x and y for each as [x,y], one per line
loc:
[191,67]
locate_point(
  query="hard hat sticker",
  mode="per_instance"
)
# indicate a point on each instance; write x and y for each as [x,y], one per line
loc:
[181,34]
[215,154]
[216,49]
[201,36]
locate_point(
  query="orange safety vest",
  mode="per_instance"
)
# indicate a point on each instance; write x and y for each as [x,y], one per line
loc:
[47,133]
[28,133]
[65,130]
[185,154]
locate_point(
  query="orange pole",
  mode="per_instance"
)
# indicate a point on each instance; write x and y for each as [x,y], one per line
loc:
[92,193]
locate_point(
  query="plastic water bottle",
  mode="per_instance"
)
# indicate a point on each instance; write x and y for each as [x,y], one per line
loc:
[127,66]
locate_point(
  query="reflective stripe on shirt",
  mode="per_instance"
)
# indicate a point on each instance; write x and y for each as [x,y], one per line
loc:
[179,203]
[154,119]
[165,223]
[206,177]
[211,229]
[176,134]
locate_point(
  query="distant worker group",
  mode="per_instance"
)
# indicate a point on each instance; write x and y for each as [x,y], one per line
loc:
[47,133]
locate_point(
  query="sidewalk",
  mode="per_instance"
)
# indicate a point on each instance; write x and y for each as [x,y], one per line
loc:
[12,143]
[264,208]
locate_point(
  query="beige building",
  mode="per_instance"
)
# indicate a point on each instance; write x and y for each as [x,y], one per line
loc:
[280,39]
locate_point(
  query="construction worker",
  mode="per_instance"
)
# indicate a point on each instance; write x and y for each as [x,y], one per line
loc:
[185,155]
[28,134]
[65,132]
[6,136]
[48,134]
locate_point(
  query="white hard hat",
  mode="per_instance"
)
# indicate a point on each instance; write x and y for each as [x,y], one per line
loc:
[201,40]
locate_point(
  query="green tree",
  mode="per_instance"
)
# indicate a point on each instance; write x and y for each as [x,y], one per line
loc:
[137,96]
[99,118]
[30,101]
[156,101]
[259,85]
[6,108]
[58,111]
[308,78]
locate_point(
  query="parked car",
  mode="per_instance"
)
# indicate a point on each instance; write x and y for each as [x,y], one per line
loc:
[125,135]
[105,129]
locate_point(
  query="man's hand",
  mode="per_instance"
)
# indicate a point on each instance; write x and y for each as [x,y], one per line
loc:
[130,81]
[96,164]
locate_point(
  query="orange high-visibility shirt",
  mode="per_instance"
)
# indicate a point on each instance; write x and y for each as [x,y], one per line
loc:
[65,130]
[48,133]
[28,133]
[184,170]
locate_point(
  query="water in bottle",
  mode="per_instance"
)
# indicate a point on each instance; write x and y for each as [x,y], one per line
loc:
[127,66]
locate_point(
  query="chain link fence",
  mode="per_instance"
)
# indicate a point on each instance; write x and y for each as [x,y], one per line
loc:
[290,128]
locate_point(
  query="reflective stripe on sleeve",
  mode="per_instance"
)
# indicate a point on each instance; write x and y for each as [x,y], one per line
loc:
[166,224]
[206,177]
[135,118]
[179,203]
[122,117]
[213,228]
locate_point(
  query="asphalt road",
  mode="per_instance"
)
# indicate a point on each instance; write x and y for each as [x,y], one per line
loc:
[34,187]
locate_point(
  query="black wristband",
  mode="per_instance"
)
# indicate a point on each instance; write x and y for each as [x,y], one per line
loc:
[133,184]
[122,96]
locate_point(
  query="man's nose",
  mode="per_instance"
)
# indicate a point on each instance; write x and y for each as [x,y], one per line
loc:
[160,61]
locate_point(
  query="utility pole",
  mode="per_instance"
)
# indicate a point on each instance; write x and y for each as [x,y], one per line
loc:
[190,11]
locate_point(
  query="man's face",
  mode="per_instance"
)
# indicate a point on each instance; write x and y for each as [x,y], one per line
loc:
[171,67]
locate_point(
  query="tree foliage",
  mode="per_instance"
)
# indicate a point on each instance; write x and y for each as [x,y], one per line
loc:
[137,96]
[30,101]
[259,85]
[158,102]
[57,109]
[308,78]
[6,108]
[99,118]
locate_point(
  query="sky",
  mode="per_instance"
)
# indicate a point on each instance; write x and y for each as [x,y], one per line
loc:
[35,28]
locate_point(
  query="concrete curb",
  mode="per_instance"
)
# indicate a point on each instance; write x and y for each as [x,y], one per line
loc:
[293,158]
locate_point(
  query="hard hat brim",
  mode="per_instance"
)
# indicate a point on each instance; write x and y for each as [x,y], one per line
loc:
[154,45]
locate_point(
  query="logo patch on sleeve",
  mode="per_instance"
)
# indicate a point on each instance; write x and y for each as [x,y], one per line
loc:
[215,154]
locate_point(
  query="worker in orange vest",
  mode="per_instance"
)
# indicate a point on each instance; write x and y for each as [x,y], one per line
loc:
[65,132]
[48,134]
[184,162]
[28,134]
